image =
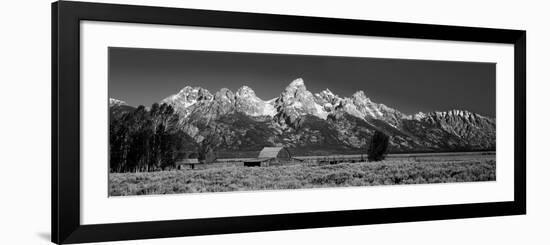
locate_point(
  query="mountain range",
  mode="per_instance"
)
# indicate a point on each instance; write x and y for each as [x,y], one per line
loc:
[318,123]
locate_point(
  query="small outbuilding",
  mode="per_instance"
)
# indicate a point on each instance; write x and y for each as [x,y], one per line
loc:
[270,156]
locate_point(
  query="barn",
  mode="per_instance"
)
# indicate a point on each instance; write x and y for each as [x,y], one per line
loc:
[270,156]
[187,163]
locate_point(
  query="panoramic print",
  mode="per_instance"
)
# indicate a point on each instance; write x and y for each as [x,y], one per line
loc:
[184,121]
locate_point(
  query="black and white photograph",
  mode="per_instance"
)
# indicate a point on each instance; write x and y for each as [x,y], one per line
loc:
[275,122]
[186,121]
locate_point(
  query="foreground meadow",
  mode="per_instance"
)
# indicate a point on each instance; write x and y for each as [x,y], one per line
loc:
[237,178]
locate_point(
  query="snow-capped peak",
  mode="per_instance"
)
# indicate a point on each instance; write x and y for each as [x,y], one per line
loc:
[455,113]
[327,95]
[245,91]
[327,92]
[360,95]
[296,88]
[295,92]
[116,102]
[327,99]
[419,116]
[225,95]
[186,89]
[195,93]
[187,97]
[247,102]
[297,100]
[298,82]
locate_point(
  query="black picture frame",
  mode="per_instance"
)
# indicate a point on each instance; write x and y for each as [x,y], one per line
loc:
[65,223]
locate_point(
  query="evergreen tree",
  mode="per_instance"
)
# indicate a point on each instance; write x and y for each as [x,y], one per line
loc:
[378,146]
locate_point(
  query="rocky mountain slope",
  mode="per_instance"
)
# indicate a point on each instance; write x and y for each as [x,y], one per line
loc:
[320,123]
[118,106]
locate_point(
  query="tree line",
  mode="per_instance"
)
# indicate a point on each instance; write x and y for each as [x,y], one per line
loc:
[142,140]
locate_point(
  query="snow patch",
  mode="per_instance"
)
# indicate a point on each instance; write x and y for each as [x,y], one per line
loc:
[116,102]
[269,110]
[297,83]
[320,112]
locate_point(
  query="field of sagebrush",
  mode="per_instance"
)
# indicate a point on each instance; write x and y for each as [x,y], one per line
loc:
[234,178]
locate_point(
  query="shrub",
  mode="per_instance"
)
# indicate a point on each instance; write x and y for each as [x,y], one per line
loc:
[378,146]
[219,179]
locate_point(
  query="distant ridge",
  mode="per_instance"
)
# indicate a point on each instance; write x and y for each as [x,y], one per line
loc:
[317,123]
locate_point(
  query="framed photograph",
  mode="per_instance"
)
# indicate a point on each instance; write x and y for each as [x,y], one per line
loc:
[174,122]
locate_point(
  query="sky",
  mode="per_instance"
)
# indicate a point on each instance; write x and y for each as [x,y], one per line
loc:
[146,76]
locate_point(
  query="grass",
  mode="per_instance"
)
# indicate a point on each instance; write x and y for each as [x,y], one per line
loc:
[236,178]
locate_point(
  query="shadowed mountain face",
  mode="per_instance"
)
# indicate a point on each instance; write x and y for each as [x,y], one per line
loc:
[318,124]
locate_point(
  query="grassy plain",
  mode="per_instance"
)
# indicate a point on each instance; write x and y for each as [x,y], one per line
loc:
[238,178]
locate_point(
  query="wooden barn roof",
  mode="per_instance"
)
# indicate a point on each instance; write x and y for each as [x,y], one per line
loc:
[270,152]
[257,159]
[187,161]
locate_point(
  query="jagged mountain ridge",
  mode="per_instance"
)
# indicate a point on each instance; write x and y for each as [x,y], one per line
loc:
[312,124]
